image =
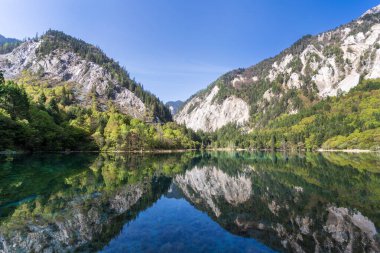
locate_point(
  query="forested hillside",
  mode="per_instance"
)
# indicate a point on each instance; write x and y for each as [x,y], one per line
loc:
[40,117]
[350,121]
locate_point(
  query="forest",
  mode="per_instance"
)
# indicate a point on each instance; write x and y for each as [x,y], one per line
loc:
[42,118]
[348,121]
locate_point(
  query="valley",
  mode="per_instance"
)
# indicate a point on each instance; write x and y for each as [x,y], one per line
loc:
[61,93]
[189,126]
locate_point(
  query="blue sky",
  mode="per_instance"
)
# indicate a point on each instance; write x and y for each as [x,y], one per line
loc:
[177,47]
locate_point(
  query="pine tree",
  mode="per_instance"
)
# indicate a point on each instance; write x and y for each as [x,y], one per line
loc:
[42,99]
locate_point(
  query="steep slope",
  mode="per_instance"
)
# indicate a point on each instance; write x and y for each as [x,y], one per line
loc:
[350,121]
[58,59]
[313,68]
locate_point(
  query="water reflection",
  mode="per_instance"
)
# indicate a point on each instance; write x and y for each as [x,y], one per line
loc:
[210,185]
[310,203]
[81,201]
[296,204]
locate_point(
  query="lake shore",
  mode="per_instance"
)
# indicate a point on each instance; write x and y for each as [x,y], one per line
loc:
[348,150]
[168,151]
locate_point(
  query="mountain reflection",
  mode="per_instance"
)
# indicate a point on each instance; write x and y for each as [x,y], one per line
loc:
[302,203]
[82,201]
[209,185]
[292,204]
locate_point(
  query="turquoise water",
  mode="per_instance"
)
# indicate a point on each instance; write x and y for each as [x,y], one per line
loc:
[190,202]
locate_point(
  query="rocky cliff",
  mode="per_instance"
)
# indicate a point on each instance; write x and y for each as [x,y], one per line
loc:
[57,58]
[203,113]
[313,68]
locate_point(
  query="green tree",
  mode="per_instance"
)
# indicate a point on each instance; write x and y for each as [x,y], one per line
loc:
[42,99]
[14,100]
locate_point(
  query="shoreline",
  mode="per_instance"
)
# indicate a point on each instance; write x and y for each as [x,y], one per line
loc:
[168,151]
[355,151]
[157,151]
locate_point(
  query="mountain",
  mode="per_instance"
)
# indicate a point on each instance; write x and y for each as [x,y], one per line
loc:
[174,106]
[8,44]
[57,59]
[4,40]
[313,68]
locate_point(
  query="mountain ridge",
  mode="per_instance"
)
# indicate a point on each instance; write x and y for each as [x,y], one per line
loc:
[58,58]
[313,68]
[373,10]
[3,40]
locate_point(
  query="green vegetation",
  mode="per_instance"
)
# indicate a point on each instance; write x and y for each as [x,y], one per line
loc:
[345,122]
[39,117]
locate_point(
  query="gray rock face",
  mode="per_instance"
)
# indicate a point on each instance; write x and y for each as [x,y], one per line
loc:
[203,113]
[61,65]
[328,64]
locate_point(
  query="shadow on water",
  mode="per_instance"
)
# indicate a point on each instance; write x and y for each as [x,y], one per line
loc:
[289,203]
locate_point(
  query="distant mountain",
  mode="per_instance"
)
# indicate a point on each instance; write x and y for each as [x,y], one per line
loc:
[4,40]
[174,106]
[8,44]
[315,67]
[57,59]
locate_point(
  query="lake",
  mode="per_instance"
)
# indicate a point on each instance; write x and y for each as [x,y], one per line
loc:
[190,202]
